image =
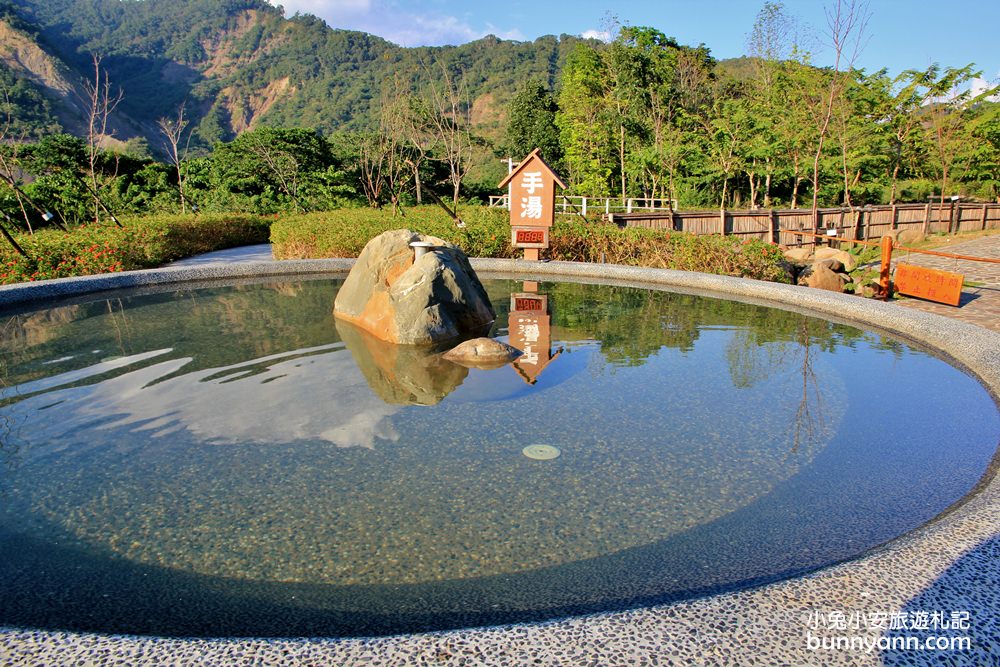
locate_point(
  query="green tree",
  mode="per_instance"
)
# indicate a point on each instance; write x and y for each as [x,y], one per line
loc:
[952,101]
[984,156]
[58,163]
[904,100]
[272,168]
[531,124]
[586,135]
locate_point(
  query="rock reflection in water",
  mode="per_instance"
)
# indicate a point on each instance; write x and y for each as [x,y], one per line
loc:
[401,374]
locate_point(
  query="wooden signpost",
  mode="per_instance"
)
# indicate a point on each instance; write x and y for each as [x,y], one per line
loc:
[532,203]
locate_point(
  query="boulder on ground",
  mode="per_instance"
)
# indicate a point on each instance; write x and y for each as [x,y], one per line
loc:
[834,265]
[909,236]
[823,278]
[399,300]
[800,256]
[482,353]
[842,256]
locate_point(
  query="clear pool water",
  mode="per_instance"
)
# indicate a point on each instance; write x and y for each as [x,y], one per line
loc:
[230,461]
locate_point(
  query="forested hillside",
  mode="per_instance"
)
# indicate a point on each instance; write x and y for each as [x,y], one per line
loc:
[237,63]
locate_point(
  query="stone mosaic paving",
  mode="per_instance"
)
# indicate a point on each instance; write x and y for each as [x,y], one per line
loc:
[979,305]
[948,569]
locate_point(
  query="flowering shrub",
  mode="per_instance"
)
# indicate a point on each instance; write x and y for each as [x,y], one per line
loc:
[143,243]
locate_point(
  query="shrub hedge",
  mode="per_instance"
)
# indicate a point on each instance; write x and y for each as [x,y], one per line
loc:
[343,233]
[143,243]
[153,241]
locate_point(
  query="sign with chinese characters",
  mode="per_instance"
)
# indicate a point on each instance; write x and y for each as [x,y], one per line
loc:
[530,237]
[930,284]
[532,186]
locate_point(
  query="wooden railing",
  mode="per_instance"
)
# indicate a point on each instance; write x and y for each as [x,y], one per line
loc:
[864,223]
[576,204]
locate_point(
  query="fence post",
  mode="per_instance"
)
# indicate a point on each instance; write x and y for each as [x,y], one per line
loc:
[585,207]
[983,221]
[927,218]
[628,205]
[885,286]
[607,206]
[775,228]
[951,217]
[722,220]
[895,217]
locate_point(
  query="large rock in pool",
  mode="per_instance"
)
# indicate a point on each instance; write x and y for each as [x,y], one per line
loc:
[436,298]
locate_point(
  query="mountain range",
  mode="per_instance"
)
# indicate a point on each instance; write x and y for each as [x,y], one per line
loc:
[236,64]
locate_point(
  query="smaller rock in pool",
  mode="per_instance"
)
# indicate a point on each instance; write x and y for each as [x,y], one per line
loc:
[482,353]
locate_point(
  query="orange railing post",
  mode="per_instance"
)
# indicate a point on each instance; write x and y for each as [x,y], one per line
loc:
[885,287]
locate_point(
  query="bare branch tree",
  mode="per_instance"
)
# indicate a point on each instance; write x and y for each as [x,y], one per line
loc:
[847,23]
[413,115]
[173,131]
[282,165]
[450,121]
[101,104]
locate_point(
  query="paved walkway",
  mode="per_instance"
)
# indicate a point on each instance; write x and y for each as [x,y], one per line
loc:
[979,305]
[247,253]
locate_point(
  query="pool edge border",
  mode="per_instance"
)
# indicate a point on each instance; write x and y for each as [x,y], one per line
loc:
[961,529]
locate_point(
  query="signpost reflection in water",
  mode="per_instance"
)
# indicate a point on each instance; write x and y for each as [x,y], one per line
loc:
[530,330]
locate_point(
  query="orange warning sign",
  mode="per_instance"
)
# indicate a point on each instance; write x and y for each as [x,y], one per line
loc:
[930,284]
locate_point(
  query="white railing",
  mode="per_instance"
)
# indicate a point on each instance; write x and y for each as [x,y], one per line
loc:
[575,204]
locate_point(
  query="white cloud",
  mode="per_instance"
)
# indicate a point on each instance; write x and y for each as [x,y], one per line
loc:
[433,30]
[270,401]
[980,85]
[395,24]
[327,9]
[602,35]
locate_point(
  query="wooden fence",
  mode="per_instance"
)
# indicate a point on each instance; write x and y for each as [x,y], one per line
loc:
[576,204]
[869,222]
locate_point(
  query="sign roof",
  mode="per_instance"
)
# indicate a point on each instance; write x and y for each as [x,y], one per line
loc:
[536,154]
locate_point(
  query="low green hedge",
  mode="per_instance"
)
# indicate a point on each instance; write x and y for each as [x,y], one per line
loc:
[344,233]
[142,243]
[153,241]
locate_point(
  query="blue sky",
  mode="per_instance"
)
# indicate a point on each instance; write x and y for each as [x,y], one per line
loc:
[901,34]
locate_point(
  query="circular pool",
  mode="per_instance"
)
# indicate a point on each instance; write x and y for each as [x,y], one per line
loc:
[228,460]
